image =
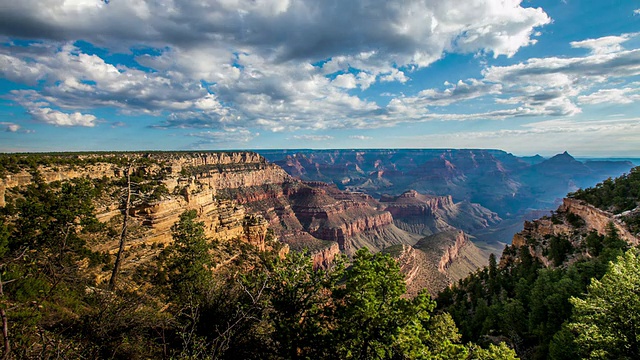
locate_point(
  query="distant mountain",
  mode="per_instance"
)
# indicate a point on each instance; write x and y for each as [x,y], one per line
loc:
[513,187]
[497,180]
[532,160]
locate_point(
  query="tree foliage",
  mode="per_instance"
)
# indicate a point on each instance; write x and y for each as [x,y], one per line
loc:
[607,320]
[201,298]
[616,195]
[526,303]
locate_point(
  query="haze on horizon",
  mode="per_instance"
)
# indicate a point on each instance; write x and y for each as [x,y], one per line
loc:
[532,77]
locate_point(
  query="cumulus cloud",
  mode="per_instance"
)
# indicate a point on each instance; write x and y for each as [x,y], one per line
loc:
[460,91]
[9,126]
[237,65]
[410,32]
[347,81]
[536,87]
[636,12]
[395,75]
[59,118]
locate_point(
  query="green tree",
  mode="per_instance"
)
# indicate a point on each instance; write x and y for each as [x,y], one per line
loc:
[493,352]
[607,320]
[186,264]
[375,321]
[298,300]
[4,238]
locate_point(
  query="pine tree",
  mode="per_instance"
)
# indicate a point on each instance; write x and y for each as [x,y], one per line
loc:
[607,320]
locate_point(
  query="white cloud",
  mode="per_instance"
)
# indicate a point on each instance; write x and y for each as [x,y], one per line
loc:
[223,137]
[461,91]
[365,80]
[603,45]
[9,126]
[313,137]
[636,12]
[347,81]
[58,118]
[360,137]
[395,75]
[626,95]
[499,29]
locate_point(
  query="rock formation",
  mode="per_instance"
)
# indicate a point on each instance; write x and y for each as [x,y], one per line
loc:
[573,221]
[506,184]
[428,214]
[238,195]
[597,219]
[437,261]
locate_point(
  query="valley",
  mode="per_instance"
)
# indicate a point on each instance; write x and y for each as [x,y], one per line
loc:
[237,214]
[327,202]
[515,188]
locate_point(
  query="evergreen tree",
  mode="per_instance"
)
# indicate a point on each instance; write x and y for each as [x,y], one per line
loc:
[186,263]
[607,320]
[375,321]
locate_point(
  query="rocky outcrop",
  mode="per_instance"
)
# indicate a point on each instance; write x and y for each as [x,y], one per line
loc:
[573,221]
[350,219]
[437,261]
[428,214]
[50,174]
[596,219]
[453,252]
[350,225]
[323,258]
[412,203]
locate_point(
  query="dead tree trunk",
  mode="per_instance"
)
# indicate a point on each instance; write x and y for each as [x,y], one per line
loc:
[123,233]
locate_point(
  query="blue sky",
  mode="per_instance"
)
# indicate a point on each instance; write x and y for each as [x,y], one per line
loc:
[523,76]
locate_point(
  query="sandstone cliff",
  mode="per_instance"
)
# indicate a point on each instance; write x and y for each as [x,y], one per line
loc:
[238,195]
[573,221]
[597,219]
[151,217]
[437,261]
[428,214]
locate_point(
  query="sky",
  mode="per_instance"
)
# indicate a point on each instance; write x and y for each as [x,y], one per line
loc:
[527,77]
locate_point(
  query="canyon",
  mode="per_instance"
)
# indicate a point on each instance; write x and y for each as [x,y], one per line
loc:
[515,188]
[414,204]
[238,196]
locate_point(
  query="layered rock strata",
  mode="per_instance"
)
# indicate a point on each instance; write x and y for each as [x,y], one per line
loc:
[585,218]
[439,260]
[428,214]
[231,191]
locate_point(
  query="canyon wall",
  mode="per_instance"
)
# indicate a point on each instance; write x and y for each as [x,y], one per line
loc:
[428,214]
[437,261]
[597,219]
[585,219]
[238,195]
